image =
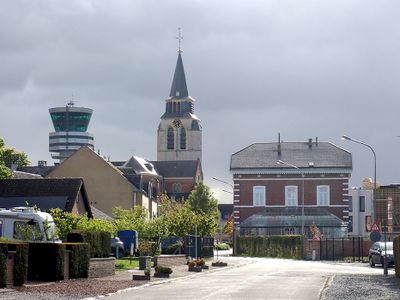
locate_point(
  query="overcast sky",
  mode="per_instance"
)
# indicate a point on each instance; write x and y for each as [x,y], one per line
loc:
[256,68]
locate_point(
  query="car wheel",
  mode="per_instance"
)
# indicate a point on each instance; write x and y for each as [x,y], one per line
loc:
[371,263]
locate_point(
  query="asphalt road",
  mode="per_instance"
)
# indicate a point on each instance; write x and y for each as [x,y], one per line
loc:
[258,278]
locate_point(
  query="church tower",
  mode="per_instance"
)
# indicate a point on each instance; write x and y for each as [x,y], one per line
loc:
[179,133]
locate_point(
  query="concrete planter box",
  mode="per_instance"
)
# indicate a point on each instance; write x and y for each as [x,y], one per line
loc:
[144,261]
[141,277]
[219,264]
[205,267]
[195,269]
[161,275]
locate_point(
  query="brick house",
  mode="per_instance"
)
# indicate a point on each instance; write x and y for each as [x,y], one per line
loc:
[268,196]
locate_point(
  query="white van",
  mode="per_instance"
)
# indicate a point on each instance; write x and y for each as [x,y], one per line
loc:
[26,223]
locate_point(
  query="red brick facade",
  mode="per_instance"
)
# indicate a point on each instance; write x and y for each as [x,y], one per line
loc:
[275,192]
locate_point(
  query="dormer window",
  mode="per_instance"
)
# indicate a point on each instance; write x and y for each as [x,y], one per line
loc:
[177,94]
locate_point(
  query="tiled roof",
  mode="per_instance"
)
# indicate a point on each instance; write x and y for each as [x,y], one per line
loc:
[39,170]
[300,154]
[45,193]
[176,168]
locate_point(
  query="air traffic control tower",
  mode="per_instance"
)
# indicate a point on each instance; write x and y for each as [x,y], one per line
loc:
[70,125]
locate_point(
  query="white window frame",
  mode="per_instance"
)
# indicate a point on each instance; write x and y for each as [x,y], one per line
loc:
[291,195]
[323,195]
[259,196]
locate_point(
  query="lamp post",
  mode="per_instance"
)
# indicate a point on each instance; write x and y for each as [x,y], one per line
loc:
[234,226]
[223,181]
[346,138]
[281,162]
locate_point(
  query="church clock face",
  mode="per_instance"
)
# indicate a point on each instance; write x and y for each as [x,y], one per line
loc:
[177,123]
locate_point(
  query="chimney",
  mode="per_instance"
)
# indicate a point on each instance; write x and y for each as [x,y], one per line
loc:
[279,145]
[316,141]
[42,163]
[309,143]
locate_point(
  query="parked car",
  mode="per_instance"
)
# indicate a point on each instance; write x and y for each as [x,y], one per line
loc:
[117,247]
[377,253]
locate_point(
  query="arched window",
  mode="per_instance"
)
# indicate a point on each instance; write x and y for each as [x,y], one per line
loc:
[183,138]
[170,138]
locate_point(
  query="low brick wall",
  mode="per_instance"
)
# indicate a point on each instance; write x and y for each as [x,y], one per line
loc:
[101,267]
[170,260]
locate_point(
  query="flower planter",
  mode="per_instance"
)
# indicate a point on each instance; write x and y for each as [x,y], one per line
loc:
[144,261]
[219,264]
[140,277]
[161,275]
[195,269]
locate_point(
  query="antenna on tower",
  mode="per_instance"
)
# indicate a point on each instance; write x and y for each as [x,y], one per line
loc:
[71,102]
[179,38]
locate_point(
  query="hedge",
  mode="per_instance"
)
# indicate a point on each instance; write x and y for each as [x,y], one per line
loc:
[46,261]
[99,241]
[79,260]
[286,246]
[20,262]
[396,252]
[3,265]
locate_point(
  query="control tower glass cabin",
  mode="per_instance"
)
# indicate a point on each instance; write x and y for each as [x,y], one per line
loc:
[70,125]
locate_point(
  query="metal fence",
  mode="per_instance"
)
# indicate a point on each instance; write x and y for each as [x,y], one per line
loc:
[353,248]
[197,246]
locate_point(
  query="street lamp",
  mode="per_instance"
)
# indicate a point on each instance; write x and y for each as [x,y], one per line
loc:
[281,162]
[234,226]
[346,138]
[223,181]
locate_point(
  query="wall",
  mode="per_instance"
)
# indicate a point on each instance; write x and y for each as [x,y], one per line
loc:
[275,193]
[106,187]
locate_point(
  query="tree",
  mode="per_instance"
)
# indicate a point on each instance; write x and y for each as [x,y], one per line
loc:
[8,157]
[201,200]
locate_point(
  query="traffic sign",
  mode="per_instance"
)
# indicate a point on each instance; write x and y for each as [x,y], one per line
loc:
[375,227]
[375,236]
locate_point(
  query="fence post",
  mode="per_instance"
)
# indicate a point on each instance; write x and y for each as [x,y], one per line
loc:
[326,248]
[320,249]
[354,254]
[333,249]
[342,248]
[362,250]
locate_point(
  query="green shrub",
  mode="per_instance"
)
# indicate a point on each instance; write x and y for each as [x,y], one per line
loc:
[21,263]
[20,250]
[46,261]
[3,265]
[174,248]
[222,246]
[99,241]
[286,246]
[79,260]
[396,252]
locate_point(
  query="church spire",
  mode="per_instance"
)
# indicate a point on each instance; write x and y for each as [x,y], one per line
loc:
[179,88]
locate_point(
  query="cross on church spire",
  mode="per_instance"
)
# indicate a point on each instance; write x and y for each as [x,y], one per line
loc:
[179,38]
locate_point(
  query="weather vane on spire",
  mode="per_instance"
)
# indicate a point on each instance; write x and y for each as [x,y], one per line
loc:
[179,38]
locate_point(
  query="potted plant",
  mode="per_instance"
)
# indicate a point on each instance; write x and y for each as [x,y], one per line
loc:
[162,272]
[201,263]
[193,267]
[145,276]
